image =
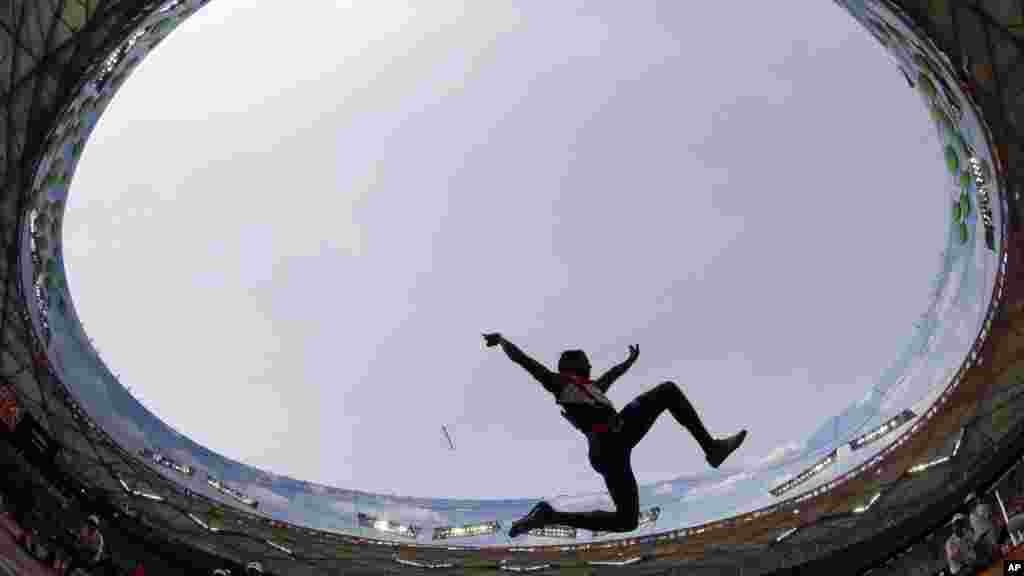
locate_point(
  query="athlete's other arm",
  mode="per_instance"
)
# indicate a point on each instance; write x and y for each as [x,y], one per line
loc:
[536,369]
[605,381]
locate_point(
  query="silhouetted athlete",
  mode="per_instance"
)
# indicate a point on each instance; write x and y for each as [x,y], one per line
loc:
[611,435]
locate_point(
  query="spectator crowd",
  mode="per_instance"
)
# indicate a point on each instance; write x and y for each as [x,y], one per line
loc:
[980,537]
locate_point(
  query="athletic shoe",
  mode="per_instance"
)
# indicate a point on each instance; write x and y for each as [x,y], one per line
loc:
[725,446]
[539,517]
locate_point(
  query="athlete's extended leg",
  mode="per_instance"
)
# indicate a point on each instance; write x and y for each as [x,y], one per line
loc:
[613,464]
[639,415]
[622,488]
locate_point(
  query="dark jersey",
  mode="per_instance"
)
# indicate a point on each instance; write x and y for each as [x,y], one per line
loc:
[583,401]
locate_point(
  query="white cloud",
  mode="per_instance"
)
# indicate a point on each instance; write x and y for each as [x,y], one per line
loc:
[343,506]
[897,395]
[716,488]
[779,453]
[949,294]
[400,514]
[414,514]
[871,391]
[599,501]
[762,500]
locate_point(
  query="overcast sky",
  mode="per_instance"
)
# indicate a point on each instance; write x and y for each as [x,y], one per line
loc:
[291,226]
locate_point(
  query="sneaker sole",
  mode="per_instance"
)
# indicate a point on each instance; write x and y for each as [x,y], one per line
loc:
[743,438]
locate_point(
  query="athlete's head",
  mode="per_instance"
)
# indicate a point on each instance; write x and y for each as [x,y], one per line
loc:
[574,362]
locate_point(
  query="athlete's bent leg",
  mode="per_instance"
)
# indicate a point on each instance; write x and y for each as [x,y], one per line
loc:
[639,415]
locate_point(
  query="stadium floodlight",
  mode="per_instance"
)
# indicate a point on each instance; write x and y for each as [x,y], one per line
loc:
[866,507]
[565,532]
[504,565]
[922,467]
[625,562]
[959,440]
[428,565]
[222,487]
[166,462]
[387,526]
[202,524]
[882,430]
[786,534]
[170,6]
[467,531]
[805,475]
[277,546]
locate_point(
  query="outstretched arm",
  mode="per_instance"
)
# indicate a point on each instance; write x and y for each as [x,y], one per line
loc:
[536,369]
[605,381]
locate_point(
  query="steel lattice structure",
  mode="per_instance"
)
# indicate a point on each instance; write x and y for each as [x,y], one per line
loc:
[49,49]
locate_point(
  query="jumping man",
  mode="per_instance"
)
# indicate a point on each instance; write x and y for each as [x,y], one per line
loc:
[611,435]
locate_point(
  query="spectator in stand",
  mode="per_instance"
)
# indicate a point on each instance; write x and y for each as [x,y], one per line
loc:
[959,551]
[986,537]
[89,546]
